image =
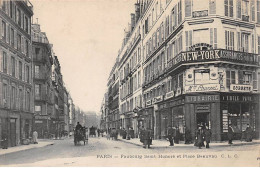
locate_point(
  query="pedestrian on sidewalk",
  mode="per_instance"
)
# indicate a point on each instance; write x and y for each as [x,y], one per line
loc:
[171,135]
[108,133]
[35,137]
[187,136]
[199,137]
[141,134]
[124,133]
[249,133]
[4,140]
[230,134]
[207,136]
[177,135]
[147,138]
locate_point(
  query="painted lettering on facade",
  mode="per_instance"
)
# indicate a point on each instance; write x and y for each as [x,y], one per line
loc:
[204,98]
[241,88]
[202,88]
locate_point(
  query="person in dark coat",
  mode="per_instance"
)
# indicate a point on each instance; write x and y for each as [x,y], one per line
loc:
[78,126]
[249,133]
[5,141]
[199,137]
[207,136]
[230,134]
[141,134]
[123,131]
[177,136]
[171,135]
[187,136]
[147,138]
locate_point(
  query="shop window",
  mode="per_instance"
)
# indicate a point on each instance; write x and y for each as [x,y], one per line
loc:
[201,76]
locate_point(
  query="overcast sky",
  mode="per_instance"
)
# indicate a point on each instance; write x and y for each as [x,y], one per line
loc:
[86,35]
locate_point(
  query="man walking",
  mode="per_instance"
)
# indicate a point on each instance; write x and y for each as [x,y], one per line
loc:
[147,138]
[230,134]
[171,135]
[249,133]
[207,136]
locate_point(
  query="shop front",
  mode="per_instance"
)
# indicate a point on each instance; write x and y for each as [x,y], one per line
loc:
[239,111]
[170,113]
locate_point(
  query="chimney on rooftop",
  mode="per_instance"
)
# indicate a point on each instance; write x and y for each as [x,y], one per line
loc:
[132,22]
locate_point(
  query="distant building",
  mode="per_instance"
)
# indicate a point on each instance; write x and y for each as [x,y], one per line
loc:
[42,80]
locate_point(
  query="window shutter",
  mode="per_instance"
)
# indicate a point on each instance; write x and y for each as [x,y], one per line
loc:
[254,80]
[240,77]
[239,9]
[228,78]
[211,36]
[238,42]
[231,11]
[187,40]
[253,44]
[1,92]
[9,88]
[187,8]
[226,39]
[258,42]
[215,38]
[252,8]
[175,16]
[212,6]
[258,10]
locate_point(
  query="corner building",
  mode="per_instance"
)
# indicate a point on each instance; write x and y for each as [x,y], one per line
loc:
[201,66]
[16,88]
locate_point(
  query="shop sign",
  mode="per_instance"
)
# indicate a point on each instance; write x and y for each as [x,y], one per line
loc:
[202,88]
[148,103]
[178,91]
[237,98]
[38,121]
[203,108]
[169,95]
[203,13]
[204,98]
[225,120]
[42,117]
[215,55]
[157,99]
[241,88]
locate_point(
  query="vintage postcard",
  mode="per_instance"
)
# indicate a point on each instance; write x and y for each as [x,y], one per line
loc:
[130,83]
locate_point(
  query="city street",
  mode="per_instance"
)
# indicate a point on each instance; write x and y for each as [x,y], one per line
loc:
[103,152]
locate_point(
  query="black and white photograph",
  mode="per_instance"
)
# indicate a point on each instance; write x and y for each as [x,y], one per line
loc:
[130,83]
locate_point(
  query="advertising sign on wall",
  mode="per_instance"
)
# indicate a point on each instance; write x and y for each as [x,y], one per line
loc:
[202,88]
[241,88]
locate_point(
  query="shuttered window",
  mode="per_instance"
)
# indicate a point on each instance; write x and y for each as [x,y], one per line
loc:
[179,12]
[228,6]
[187,8]
[254,80]
[229,40]
[213,37]
[228,78]
[188,39]
[252,8]
[258,11]
[238,8]
[253,44]
[212,7]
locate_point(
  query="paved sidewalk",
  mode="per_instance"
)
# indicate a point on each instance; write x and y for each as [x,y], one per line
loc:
[41,143]
[165,143]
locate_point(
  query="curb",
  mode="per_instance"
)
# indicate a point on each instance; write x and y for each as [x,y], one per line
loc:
[50,144]
[192,145]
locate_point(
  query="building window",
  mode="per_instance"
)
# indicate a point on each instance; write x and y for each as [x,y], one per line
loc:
[228,5]
[13,97]
[13,66]
[258,10]
[27,72]
[21,98]
[20,70]
[26,24]
[247,77]
[230,77]
[201,76]
[229,40]
[37,91]
[38,109]
[19,40]
[19,17]
[28,98]
[3,30]
[245,6]
[197,38]
[244,42]
[12,37]
[4,62]
[26,48]
[5,93]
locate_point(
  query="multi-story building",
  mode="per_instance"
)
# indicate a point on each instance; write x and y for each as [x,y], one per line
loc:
[66,111]
[16,90]
[42,79]
[200,66]
[113,95]
[103,111]
[72,116]
[130,68]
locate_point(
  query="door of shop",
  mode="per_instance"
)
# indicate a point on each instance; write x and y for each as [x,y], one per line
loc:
[202,119]
[13,132]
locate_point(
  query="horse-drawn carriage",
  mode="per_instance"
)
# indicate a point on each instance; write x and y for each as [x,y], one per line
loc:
[80,135]
[92,132]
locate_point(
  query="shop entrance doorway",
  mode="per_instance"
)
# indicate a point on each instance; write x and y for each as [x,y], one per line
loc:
[202,119]
[13,132]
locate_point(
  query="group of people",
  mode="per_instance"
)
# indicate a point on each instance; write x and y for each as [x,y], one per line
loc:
[248,134]
[202,135]
[112,134]
[146,137]
[173,135]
